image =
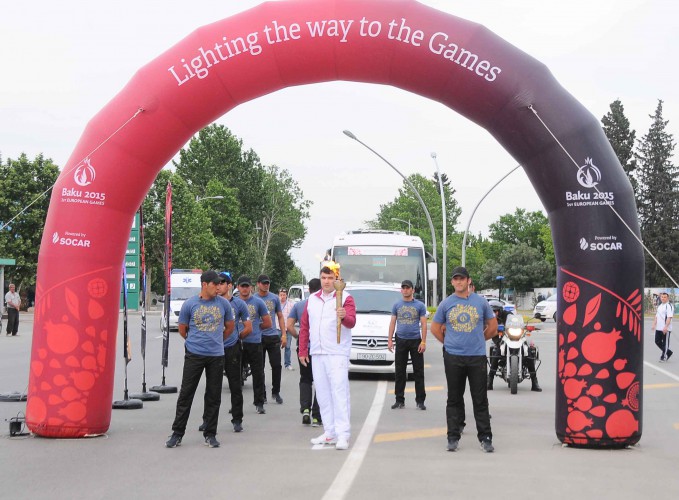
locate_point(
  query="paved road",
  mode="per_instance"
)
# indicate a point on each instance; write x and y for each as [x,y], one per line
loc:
[393,454]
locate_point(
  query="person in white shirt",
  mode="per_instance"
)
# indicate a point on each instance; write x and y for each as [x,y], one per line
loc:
[662,324]
[318,338]
[13,302]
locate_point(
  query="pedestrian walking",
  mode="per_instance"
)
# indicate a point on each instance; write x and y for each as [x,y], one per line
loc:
[662,325]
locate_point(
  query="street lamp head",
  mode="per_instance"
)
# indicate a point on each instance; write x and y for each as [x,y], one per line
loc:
[350,135]
[218,197]
[433,154]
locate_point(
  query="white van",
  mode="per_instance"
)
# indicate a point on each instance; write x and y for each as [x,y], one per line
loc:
[298,292]
[369,338]
[184,283]
[545,309]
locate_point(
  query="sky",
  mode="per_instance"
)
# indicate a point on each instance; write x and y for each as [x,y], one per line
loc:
[63,61]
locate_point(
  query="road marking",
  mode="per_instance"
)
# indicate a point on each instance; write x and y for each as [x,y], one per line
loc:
[419,434]
[664,372]
[669,385]
[427,389]
[345,477]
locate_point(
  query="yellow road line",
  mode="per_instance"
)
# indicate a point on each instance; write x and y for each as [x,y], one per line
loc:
[661,386]
[419,434]
[427,389]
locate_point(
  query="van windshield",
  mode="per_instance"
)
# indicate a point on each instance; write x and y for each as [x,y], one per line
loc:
[183,292]
[374,301]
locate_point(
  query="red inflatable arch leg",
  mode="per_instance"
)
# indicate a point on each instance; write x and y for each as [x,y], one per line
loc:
[400,43]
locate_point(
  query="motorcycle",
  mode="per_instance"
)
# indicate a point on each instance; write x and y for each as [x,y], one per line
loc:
[513,358]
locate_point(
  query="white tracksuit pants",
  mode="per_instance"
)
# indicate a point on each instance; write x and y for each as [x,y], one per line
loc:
[331,378]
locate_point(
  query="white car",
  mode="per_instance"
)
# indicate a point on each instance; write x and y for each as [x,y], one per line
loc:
[545,309]
[369,338]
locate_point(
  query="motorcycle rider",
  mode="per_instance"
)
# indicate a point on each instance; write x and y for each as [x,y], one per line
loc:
[495,355]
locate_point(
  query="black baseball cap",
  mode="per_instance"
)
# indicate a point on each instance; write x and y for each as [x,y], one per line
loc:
[225,277]
[406,283]
[244,280]
[263,278]
[210,277]
[460,271]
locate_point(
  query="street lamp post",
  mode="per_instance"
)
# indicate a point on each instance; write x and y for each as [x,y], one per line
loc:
[419,198]
[444,226]
[466,229]
[404,221]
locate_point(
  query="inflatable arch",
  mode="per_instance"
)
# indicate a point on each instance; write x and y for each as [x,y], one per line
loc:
[401,43]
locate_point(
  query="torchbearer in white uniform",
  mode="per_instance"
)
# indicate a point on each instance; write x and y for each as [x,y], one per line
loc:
[318,337]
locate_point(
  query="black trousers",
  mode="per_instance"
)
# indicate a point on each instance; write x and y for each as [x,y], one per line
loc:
[12,321]
[252,355]
[194,365]
[459,369]
[232,368]
[307,396]
[405,348]
[271,345]
[661,340]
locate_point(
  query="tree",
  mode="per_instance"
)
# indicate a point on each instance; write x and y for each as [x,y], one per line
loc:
[522,266]
[520,227]
[407,207]
[617,128]
[193,244]
[24,184]
[658,204]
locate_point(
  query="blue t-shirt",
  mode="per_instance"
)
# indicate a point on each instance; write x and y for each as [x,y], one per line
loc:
[408,314]
[205,319]
[256,309]
[273,304]
[297,310]
[240,314]
[464,322]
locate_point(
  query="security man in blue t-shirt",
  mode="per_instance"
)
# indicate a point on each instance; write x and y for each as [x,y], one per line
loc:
[409,319]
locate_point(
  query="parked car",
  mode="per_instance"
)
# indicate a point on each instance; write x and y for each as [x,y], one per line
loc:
[369,338]
[545,309]
[507,306]
[298,292]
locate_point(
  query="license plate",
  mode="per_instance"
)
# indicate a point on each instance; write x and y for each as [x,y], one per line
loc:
[372,356]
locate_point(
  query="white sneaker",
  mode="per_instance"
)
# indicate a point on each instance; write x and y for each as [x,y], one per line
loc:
[290,367]
[342,444]
[324,439]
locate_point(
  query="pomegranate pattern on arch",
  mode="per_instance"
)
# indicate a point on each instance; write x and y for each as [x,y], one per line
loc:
[65,370]
[597,377]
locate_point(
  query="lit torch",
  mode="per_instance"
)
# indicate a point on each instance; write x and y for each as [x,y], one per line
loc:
[339,285]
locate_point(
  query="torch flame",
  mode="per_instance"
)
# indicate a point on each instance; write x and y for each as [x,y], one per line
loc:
[334,267]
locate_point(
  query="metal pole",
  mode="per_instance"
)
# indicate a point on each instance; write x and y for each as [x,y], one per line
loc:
[404,221]
[419,198]
[466,229]
[444,228]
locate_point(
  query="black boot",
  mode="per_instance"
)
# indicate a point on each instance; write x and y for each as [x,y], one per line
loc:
[491,376]
[535,387]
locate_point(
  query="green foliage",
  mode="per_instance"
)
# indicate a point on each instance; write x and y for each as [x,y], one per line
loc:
[22,184]
[658,204]
[617,129]
[520,227]
[523,267]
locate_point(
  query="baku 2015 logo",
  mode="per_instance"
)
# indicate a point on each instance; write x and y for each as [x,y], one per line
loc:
[84,173]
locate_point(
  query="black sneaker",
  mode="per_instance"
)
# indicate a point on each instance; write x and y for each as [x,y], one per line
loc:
[316,422]
[452,444]
[306,417]
[202,427]
[277,398]
[261,410]
[420,406]
[174,441]
[487,446]
[669,355]
[398,406]
[211,441]
[237,427]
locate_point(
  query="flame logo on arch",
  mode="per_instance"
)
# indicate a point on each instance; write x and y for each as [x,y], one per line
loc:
[84,174]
